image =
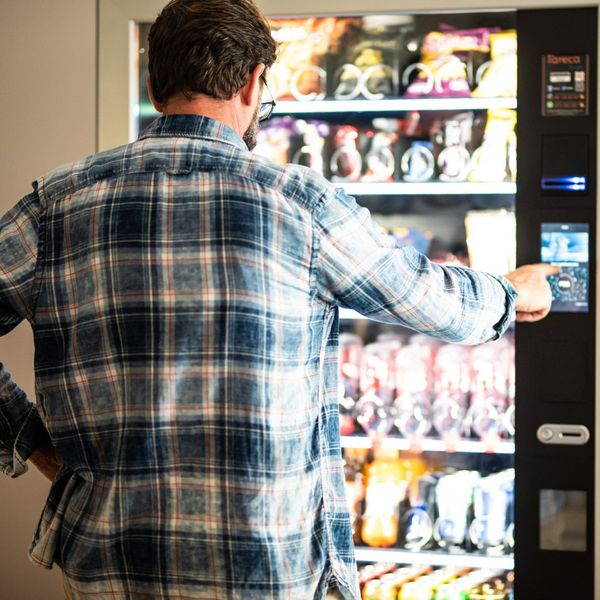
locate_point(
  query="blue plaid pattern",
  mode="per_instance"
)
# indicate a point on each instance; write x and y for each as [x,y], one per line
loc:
[184,298]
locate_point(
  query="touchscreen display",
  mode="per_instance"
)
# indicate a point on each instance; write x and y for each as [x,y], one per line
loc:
[567,246]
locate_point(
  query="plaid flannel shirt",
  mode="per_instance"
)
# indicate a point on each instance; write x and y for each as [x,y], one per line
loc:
[183,295]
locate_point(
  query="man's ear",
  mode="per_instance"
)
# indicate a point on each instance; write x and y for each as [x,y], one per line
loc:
[252,88]
[157,106]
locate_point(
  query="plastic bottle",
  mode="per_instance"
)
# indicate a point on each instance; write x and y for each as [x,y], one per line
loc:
[386,487]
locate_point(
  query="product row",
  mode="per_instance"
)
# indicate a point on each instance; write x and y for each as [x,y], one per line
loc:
[376,57]
[479,148]
[423,388]
[410,503]
[382,581]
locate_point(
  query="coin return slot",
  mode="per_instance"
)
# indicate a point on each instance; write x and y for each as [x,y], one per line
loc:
[574,435]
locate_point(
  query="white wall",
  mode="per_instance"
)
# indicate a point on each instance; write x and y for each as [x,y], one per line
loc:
[47,117]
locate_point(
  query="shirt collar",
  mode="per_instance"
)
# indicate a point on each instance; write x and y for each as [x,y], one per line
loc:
[194,126]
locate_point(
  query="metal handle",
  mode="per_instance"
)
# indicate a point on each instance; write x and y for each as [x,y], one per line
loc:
[561,434]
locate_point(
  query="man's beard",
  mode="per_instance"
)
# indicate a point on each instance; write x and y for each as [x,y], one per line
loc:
[252,132]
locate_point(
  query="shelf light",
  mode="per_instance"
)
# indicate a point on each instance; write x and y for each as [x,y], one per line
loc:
[430,445]
[438,559]
[291,107]
[404,188]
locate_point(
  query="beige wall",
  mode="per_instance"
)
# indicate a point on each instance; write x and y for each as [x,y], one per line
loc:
[47,117]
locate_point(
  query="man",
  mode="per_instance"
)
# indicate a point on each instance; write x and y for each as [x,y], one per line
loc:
[183,295]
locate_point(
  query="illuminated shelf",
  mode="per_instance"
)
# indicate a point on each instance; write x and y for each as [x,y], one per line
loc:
[405,188]
[438,559]
[348,314]
[391,105]
[429,445]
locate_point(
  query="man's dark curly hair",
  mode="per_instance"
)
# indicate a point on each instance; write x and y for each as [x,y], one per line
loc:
[207,47]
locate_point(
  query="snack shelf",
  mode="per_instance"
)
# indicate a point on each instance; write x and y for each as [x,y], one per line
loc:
[391,105]
[430,445]
[405,188]
[438,559]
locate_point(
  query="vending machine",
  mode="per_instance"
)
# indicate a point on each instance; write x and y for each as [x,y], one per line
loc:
[471,136]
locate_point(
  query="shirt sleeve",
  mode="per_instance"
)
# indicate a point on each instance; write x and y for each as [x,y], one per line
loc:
[21,428]
[361,268]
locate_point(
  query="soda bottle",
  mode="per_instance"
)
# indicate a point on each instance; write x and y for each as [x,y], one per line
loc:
[386,487]
[452,382]
[454,494]
[489,391]
[351,348]
[414,388]
[374,411]
[415,531]
[491,504]
[354,460]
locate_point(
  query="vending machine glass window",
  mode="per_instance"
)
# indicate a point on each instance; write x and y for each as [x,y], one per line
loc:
[415,115]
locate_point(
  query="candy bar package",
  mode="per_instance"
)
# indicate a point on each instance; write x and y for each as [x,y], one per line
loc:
[368,68]
[448,64]
[274,139]
[299,72]
[311,135]
[496,158]
[491,240]
[498,78]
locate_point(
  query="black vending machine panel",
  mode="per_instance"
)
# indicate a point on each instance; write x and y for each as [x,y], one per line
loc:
[556,224]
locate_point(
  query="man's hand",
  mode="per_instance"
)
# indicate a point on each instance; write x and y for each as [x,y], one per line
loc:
[535,297]
[46,460]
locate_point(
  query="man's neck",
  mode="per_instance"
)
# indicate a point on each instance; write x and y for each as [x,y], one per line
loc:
[224,111]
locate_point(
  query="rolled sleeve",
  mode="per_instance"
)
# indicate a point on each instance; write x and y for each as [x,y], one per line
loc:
[21,428]
[361,268]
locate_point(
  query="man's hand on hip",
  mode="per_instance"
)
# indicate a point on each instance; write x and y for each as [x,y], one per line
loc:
[535,298]
[46,461]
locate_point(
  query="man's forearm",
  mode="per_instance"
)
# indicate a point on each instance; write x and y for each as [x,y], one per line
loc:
[46,460]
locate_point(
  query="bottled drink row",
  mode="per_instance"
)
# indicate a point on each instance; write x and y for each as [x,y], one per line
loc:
[383,581]
[376,57]
[405,502]
[419,148]
[420,388]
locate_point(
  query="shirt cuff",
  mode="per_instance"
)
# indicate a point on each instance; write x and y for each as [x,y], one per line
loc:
[509,313]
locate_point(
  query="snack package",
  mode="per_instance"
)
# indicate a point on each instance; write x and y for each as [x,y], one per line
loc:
[498,78]
[380,161]
[314,134]
[298,73]
[495,160]
[346,162]
[454,159]
[492,240]
[417,163]
[273,139]
[419,240]
[371,70]
[443,70]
